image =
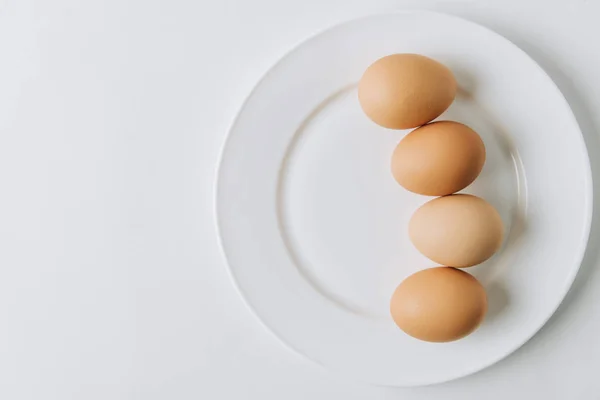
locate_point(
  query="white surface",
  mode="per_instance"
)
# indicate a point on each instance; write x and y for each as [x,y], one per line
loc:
[112,117]
[315,227]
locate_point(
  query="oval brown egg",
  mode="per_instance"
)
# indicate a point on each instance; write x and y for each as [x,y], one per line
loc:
[438,159]
[439,304]
[402,91]
[458,230]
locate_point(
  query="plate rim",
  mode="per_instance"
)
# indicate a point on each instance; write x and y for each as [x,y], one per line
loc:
[588,185]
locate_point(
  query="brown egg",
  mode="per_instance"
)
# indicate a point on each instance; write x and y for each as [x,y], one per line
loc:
[439,158]
[459,230]
[402,91]
[439,304]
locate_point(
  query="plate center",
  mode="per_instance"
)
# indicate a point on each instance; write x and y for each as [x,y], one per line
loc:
[345,219]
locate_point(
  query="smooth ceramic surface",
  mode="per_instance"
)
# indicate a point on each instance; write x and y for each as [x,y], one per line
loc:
[314,227]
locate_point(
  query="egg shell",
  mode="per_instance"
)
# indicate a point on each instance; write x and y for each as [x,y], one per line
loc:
[439,304]
[402,91]
[458,230]
[438,159]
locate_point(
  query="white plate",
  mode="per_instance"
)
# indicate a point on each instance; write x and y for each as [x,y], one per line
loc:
[314,227]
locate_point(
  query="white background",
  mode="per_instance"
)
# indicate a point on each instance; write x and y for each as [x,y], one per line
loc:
[112,117]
